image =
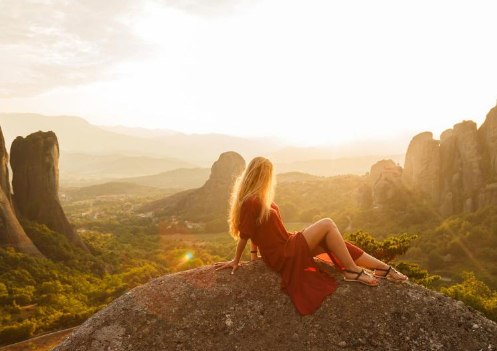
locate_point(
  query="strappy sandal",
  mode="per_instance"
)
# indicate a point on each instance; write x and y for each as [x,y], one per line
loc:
[356,279]
[387,275]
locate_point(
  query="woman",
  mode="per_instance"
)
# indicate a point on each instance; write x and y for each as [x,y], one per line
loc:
[254,216]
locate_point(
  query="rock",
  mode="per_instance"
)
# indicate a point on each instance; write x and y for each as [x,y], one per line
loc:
[35,167]
[422,166]
[461,176]
[247,311]
[209,202]
[487,136]
[4,168]
[11,232]
[386,179]
[364,196]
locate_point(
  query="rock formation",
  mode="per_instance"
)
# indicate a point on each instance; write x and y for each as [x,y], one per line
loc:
[487,135]
[461,176]
[386,182]
[211,200]
[34,161]
[11,232]
[4,168]
[364,196]
[422,165]
[459,172]
[203,309]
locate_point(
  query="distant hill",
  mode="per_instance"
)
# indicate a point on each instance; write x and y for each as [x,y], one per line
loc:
[330,167]
[107,189]
[177,178]
[76,135]
[140,132]
[81,169]
[291,177]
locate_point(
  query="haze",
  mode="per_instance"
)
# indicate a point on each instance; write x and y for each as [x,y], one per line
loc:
[307,72]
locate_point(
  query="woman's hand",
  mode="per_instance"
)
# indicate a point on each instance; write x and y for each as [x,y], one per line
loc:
[231,264]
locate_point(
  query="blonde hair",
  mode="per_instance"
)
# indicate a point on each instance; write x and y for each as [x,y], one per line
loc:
[256,180]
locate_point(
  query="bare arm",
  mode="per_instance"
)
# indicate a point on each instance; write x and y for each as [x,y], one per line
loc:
[235,263]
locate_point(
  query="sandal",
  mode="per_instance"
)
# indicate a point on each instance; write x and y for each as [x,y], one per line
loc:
[388,276]
[356,279]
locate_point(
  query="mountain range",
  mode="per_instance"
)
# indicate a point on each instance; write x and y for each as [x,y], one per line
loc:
[92,154]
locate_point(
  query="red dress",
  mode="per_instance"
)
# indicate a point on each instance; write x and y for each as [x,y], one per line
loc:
[289,255]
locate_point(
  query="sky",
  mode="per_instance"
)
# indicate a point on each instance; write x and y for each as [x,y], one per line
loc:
[319,72]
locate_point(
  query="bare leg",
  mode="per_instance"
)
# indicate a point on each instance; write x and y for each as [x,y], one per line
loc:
[368,261]
[327,229]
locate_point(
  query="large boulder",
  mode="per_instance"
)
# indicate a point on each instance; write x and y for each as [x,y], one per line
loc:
[11,232]
[422,166]
[208,202]
[35,167]
[203,309]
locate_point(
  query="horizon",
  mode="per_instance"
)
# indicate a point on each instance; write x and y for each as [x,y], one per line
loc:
[344,73]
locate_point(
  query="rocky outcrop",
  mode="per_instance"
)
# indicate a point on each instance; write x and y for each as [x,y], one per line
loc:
[208,202]
[459,172]
[422,165]
[203,309]
[364,196]
[461,176]
[11,232]
[4,168]
[487,136]
[35,182]
[386,181]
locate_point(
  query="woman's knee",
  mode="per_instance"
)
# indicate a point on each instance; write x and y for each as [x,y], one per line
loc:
[328,223]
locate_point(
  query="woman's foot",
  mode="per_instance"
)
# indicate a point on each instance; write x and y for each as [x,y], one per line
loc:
[360,275]
[390,273]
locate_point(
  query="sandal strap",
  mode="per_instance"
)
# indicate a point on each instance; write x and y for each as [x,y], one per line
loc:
[358,273]
[385,270]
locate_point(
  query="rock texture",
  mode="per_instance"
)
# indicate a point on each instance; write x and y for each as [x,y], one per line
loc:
[4,168]
[203,309]
[364,196]
[487,135]
[209,201]
[386,181]
[422,165]
[11,232]
[34,161]
[459,172]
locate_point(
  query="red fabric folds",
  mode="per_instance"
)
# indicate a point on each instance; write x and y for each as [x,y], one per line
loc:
[288,254]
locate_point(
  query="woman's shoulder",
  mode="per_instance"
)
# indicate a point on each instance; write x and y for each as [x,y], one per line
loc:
[252,202]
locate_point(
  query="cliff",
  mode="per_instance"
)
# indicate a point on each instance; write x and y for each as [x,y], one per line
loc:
[209,201]
[385,178]
[458,173]
[204,309]
[11,232]
[35,182]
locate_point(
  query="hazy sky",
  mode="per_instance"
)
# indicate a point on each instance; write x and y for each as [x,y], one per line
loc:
[316,72]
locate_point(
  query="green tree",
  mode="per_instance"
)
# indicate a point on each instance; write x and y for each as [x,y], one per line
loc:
[385,250]
[474,293]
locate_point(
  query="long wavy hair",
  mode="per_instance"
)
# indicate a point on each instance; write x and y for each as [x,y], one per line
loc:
[256,180]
